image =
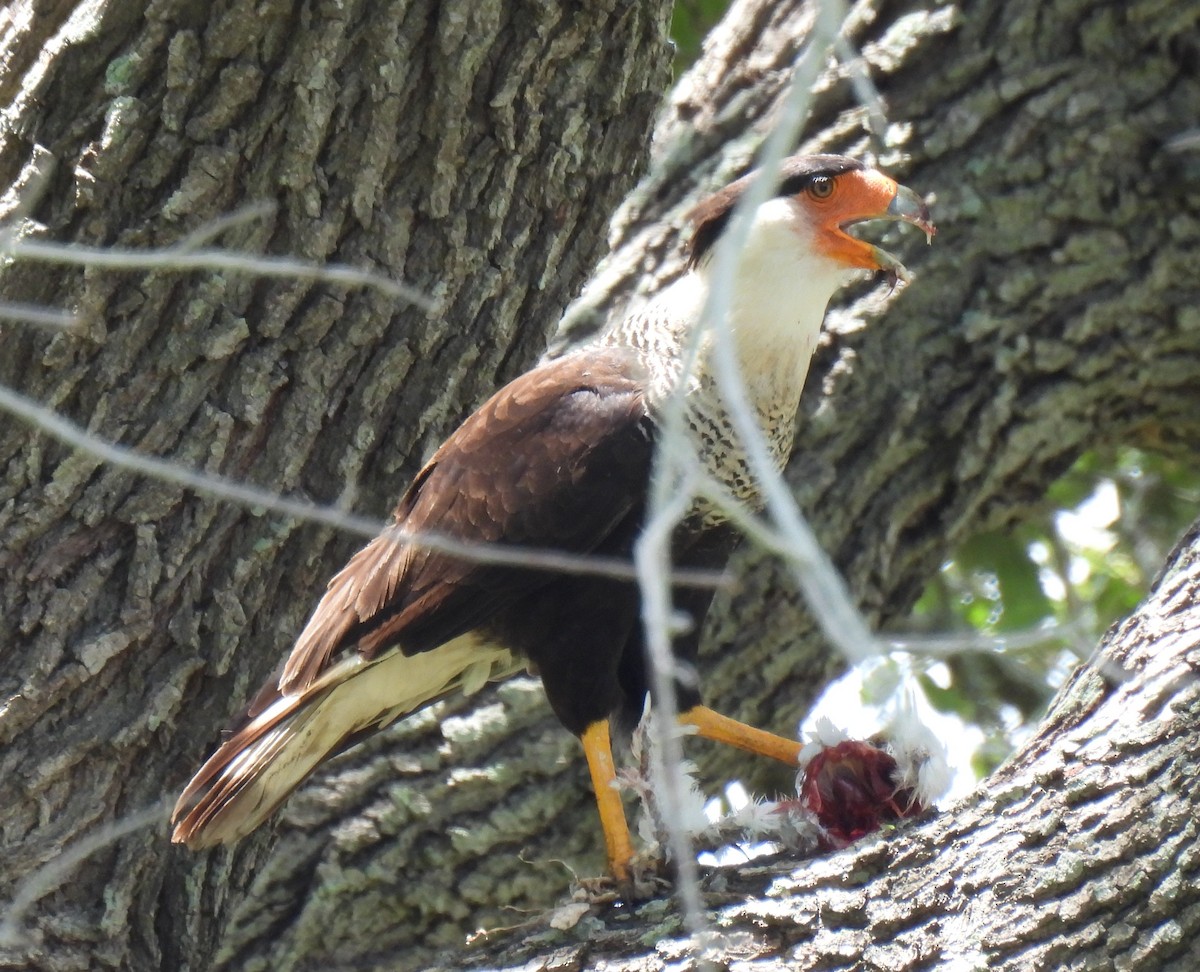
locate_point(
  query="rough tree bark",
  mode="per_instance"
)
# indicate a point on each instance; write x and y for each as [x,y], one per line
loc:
[1057,311]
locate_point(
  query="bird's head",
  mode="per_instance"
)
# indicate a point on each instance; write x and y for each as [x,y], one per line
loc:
[818,198]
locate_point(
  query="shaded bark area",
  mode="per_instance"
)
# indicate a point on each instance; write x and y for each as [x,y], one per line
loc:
[1080,853]
[473,150]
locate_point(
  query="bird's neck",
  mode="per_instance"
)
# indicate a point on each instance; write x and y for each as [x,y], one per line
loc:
[775,312]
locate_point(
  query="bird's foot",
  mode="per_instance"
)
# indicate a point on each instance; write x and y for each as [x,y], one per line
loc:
[644,878]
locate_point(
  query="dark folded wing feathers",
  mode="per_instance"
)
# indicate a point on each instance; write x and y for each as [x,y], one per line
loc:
[554,460]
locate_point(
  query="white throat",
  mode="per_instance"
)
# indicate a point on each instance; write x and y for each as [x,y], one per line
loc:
[780,290]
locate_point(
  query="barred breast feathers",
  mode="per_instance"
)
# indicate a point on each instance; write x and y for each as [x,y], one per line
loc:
[773,362]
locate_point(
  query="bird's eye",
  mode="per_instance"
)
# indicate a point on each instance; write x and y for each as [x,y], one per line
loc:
[821,187]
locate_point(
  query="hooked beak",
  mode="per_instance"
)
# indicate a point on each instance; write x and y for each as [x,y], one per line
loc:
[907,207]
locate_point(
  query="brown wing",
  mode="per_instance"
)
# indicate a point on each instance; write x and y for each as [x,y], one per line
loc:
[554,460]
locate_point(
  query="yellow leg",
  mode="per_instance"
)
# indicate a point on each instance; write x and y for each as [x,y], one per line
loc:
[713,725]
[598,748]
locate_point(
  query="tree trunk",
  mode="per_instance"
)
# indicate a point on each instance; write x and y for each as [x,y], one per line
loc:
[1080,853]
[466,148]
[473,150]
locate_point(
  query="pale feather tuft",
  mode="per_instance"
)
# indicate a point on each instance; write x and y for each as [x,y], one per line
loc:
[922,760]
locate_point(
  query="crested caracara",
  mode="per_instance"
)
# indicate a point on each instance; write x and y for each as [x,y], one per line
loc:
[560,458]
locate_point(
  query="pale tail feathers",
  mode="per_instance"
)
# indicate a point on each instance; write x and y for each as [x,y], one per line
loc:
[257,767]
